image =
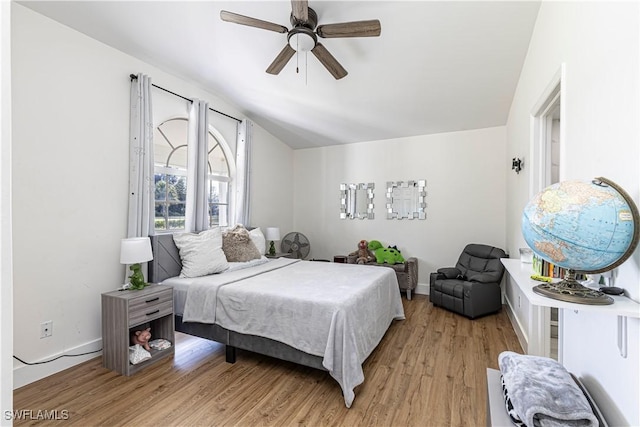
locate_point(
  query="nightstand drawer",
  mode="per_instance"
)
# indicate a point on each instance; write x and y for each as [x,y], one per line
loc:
[145,314]
[149,307]
[143,302]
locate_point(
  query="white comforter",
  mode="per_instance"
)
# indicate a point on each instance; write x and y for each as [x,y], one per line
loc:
[337,311]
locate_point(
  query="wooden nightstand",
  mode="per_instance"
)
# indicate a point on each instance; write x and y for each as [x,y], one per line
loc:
[126,311]
[279,255]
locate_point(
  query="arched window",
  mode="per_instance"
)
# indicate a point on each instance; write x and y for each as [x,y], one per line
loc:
[170,153]
[221,173]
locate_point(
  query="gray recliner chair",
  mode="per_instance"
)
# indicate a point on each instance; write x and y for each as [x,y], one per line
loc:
[472,287]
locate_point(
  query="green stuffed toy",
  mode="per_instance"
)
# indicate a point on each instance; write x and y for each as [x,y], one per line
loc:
[136,279]
[390,255]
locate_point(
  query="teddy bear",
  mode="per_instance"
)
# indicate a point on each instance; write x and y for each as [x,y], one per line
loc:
[363,254]
[390,255]
[142,338]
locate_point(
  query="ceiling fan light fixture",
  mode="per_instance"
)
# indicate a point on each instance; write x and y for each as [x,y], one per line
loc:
[302,39]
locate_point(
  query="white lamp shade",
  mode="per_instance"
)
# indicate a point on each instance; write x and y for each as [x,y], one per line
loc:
[272,233]
[135,250]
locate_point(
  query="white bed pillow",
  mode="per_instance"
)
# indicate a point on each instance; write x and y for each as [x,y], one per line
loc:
[201,253]
[258,239]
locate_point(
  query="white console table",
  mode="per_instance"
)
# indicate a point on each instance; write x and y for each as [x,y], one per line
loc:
[497,415]
[622,307]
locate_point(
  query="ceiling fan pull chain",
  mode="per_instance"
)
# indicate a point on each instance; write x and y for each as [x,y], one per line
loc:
[306,68]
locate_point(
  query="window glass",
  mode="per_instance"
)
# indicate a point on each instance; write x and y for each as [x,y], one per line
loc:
[170,203]
[218,184]
[170,152]
[170,143]
[218,164]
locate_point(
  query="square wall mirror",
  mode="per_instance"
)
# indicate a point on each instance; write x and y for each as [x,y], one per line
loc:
[407,199]
[356,201]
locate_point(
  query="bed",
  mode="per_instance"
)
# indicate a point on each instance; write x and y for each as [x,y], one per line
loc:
[328,316]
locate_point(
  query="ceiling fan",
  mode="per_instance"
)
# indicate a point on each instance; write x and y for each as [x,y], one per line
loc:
[303,37]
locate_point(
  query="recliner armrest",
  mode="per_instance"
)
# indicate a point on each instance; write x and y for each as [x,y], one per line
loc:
[485,277]
[450,272]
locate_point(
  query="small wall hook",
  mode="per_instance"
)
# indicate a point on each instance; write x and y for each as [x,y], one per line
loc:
[516,164]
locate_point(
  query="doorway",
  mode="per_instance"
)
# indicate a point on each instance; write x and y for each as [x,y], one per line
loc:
[546,155]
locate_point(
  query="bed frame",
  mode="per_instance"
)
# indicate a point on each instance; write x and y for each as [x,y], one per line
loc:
[166,263]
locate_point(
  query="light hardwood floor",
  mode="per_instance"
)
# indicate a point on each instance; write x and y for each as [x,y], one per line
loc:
[429,370]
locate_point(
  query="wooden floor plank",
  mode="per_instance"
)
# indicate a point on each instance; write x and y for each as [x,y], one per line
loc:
[429,370]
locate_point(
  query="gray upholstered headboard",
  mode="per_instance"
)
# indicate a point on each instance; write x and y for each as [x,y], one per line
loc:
[166,258]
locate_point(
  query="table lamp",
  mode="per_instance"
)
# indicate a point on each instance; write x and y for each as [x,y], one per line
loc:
[273,234]
[133,251]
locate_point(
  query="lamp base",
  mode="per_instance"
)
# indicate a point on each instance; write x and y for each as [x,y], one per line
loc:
[570,290]
[272,249]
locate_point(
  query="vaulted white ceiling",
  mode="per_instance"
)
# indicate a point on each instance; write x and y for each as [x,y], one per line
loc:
[438,66]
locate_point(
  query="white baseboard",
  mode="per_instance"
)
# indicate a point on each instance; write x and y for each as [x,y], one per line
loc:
[517,326]
[26,374]
[422,289]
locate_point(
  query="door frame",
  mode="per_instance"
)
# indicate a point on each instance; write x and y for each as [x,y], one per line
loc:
[541,124]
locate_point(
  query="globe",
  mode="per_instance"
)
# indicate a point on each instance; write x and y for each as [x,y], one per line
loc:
[586,226]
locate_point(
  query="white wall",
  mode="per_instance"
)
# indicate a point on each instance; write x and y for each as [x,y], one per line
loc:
[70,182]
[599,44]
[271,182]
[465,173]
[6,289]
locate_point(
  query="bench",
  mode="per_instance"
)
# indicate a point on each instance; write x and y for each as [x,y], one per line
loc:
[407,272]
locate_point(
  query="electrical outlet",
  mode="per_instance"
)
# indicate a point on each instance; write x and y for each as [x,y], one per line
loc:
[519,301]
[46,329]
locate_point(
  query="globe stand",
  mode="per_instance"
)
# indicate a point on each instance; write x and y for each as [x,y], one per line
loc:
[570,290]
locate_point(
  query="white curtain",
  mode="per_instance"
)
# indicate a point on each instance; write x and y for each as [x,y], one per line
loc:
[141,174]
[197,209]
[243,173]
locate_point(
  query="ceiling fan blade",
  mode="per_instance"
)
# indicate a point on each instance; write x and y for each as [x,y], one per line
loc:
[281,60]
[350,29]
[300,10]
[251,22]
[329,61]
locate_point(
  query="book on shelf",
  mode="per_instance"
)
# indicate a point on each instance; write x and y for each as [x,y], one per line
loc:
[545,268]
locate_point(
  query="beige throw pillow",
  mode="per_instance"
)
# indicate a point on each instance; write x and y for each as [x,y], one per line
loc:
[238,246]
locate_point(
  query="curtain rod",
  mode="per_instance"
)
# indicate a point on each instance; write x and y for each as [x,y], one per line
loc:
[134,77]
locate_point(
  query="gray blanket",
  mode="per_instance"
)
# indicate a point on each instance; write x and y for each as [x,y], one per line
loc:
[543,393]
[337,311]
